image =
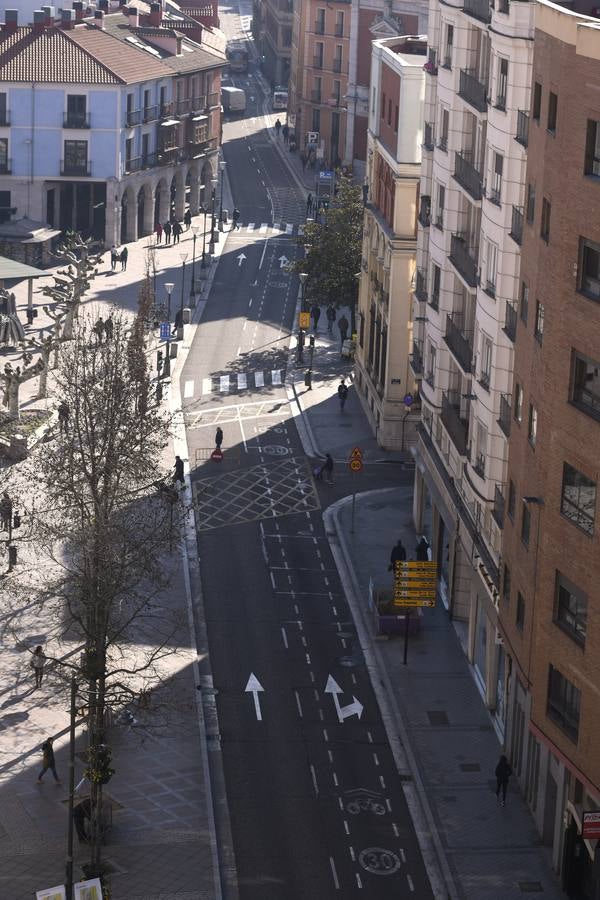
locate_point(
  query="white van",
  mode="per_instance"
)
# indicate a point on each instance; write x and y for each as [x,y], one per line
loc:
[233,99]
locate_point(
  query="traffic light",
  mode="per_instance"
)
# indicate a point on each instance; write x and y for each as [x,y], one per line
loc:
[16,520]
[159,360]
[312,340]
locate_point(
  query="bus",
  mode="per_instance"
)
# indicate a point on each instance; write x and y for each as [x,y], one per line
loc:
[237,54]
[280,97]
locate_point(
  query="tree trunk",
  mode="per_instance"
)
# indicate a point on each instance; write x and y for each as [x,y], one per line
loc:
[14,410]
[68,326]
[43,385]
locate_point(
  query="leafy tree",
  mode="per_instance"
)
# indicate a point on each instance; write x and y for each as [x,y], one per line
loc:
[334,245]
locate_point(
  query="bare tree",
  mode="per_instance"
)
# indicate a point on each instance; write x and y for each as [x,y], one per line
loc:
[71,284]
[13,377]
[47,345]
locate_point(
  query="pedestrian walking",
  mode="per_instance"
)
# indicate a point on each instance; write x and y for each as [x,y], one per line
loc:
[178,475]
[328,468]
[308,379]
[109,328]
[177,232]
[48,760]
[167,231]
[343,325]
[342,394]
[81,812]
[309,205]
[114,256]
[158,231]
[277,127]
[99,329]
[178,322]
[286,133]
[398,554]
[38,660]
[6,511]
[187,219]
[124,255]
[30,313]
[218,437]
[315,315]
[503,773]
[236,218]
[63,415]
[422,550]
[331,317]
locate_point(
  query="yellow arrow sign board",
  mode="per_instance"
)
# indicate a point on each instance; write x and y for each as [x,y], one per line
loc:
[403,604]
[304,320]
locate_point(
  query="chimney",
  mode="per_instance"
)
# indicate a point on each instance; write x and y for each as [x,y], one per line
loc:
[78,7]
[39,21]
[99,19]
[67,19]
[49,12]
[134,17]
[11,21]
[155,15]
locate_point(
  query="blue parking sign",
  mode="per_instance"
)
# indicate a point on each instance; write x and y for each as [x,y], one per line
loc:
[165,331]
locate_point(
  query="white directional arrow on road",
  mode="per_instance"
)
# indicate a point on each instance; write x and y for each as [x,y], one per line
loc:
[254,687]
[353,709]
[241,258]
[283,260]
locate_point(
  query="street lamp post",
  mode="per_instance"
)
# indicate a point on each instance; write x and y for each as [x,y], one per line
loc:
[203,265]
[193,284]
[182,257]
[167,368]
[302,276]
[222,165]
[211,247]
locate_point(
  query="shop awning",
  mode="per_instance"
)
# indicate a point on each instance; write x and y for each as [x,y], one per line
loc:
[199,118]
[169,123]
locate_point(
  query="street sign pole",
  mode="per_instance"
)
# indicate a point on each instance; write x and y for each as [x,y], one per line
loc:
[353,499]
[406,626]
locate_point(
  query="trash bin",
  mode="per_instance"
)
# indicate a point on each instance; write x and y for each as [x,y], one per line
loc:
[225,217]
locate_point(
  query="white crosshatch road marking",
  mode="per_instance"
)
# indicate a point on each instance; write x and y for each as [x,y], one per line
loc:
[222,415]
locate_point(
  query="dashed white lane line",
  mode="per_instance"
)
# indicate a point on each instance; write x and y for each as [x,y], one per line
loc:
[224,383]
[395,830]
[284,636]
[352,854]
[388,804]
[314,780]
[334,873]
[188,389]
[272,579]
[410,882]
[402,855]
[358,881]
[259,379]
[375,759]
[346,827]
[250,226]
[242,381]
[298,704]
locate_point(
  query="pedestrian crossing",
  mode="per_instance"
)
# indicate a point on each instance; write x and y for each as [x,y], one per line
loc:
[227,384]
[282,229]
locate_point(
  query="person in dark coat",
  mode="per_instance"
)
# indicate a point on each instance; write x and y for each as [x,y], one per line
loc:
[218,437]
[109,328]
[6,511]
[398,554]
[422,550]
[315,315]
[63,415]
[82,812]
[187,218]
[158,232]
[124,255]
[309,205]
[178,475]
[328,468]
[343,326]
[113,257]
[331,317]
[167,231]
[300,346]
[48,760]
[177,232]
[342,393]
[503,773]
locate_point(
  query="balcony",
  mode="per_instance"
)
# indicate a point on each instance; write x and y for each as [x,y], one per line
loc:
[431,66]
[504,419]
[498,507]
[421,285]
[459,345]
[76,120]
[76,169]
[467,175]
[478,9]
[150,113]
[315,96]
[416,359]
[510,321]
[456,427]
[168,156]
[425,211]
[339,29]
[6,167]
[464,258]
[428,139]
[473,90]
[478,464]
[4,117]
[337,65]
[317,62]
[134,117]
[516,225]
[200,148]
[133,164]
[166,109]
[319,27]
[183,107]
[522,135]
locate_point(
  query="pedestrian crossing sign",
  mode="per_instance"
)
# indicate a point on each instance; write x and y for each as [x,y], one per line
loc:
[304,320]
[165,330]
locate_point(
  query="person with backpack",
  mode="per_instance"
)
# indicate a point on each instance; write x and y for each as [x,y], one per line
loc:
[342,392]
[236,219]
[343,326]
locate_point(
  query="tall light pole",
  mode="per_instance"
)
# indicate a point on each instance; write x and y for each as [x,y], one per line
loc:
[203,266]
[182,257]
[222,165]
[167,369]
[214,182]
[302,276]
[193,284]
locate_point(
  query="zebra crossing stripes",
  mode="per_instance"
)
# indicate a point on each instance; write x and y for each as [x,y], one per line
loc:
[250,226]
[277,229]
[263,228]
[226,384]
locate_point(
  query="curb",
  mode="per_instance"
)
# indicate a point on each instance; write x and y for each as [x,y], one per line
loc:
[435,860]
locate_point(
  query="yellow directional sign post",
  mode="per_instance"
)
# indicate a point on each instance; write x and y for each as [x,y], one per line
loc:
[415,585]
[303,320]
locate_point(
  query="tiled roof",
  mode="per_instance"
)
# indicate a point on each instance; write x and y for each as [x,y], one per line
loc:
[130,65]
[194,58]
[49,57]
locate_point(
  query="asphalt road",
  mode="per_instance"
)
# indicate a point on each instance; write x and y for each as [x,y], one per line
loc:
[316,805]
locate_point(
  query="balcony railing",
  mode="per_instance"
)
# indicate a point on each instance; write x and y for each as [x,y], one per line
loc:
[150,113]
[516,225]
[317,62]
[319,27]
[431,66]
[498,508]
[315,96]
[416,359]
[464,258]
[456,427]
[339,29]
[134,164]
[182,107]
[428,138]
[504,419]
[337,65]
[473,90]
[421,285]
[134,117]
[510,321]
[197,148]
[425,211]
[6,167]
[522,135]
[168,156]
[76,120]
[167,109]
[467,175]
[80,170]
[460,345]
[479,9]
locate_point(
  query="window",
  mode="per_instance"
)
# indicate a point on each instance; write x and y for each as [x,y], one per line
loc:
[539,321]
[316,95]
[506,584]
[316,119]
[163,99]
[129,104]
[532,426]
[76,110]
[480,449]
[431,361]
[382,106]
[320,21]
[448,46]
[436,278]
[491,267]
[524,303]
[570,609]
[502,84]
[318,60]
[4,164]
[537,102]
[5,207]
[545,223]
[525,524]
[444,127]
[486,361]
[520,611]
[578,502]
[128,153]
[552,110]
[389,115]
[589,283]
[496,179]
[3,110]
[396,113]
[339,23]
[146,100]
[200,132]
[564,702]
[592,149]
[511,499]
[530,207]
[75,162]
[518,412]
[337,91]
[441,200]
[585,384]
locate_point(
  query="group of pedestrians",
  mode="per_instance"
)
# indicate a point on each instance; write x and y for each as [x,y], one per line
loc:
[118,256]
[171,229]
[103,328]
